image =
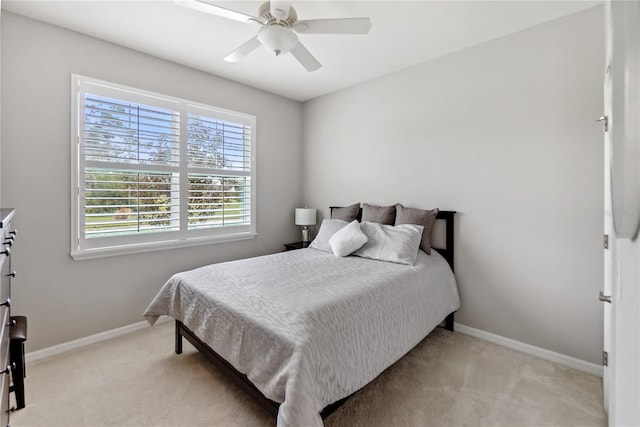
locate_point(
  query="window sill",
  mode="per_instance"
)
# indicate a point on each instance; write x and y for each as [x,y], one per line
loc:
[79,255]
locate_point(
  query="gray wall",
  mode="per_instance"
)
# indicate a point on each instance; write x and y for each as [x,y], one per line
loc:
[66,299]
[504,133]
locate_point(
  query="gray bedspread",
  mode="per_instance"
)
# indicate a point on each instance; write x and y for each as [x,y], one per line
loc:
[306,327]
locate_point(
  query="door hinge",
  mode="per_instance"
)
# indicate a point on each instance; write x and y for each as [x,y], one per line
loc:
[606,241]
[605,358]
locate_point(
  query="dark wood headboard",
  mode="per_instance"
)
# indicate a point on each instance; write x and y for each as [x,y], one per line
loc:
[447,252]
[448,217]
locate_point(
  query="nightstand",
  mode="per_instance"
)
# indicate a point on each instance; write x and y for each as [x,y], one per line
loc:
[296,245]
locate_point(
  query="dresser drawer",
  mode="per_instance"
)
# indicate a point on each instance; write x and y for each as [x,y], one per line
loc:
[5,279]
[4,362]
[5,311]
[4,405]
[5,337]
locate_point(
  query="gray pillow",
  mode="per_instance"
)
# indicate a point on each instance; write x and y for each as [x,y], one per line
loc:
[379,214]
[347,213]
[419,217]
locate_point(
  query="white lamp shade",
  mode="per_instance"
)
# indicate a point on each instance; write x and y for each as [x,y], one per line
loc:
[305,216]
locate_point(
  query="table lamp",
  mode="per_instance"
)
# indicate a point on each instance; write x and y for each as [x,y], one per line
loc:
[305,217]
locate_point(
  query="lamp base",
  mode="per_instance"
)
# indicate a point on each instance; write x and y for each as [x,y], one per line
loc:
[305,234]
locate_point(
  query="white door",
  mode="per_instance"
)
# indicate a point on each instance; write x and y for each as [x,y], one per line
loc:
[621,378]
[608,219]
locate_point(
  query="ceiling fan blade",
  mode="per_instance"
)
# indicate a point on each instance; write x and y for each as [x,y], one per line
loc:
[206,7]
[280,9]
[305,58]
[334,26]
[242,51]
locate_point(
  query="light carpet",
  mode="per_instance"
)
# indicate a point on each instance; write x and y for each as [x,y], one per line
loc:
[449,379]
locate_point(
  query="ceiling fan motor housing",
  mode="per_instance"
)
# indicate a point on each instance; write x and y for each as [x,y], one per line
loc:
[285,18]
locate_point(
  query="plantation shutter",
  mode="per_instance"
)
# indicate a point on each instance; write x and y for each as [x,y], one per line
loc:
[153,171]
[219,172]
[131,179]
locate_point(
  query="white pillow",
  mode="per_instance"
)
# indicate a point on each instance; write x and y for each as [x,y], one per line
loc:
[399,243]
[347,239]
[327,229]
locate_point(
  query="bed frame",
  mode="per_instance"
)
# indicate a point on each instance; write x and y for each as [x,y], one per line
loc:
[243,382]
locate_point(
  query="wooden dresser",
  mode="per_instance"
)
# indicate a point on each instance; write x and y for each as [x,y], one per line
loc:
[8,235]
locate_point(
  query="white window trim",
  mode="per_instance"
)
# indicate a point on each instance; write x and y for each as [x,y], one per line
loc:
[153,241]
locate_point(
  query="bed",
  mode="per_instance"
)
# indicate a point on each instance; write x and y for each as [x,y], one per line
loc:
[303,330]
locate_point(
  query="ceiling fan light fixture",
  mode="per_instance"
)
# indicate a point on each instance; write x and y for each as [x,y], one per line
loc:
[277,39]
[279,27]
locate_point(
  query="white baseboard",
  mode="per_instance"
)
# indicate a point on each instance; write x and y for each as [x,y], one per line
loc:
[45,353]
[561,359]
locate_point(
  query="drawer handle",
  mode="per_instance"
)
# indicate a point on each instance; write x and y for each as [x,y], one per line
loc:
[6,251]
[14,233]
[8,242]
[12,409]
[7,303]
[12,274]
[8,369]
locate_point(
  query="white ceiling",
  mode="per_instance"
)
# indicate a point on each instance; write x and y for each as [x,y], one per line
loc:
[403,34]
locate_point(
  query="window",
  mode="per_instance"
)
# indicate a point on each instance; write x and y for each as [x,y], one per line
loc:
[151,171]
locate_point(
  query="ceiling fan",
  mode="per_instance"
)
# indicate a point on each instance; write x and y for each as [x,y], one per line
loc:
[279,25]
